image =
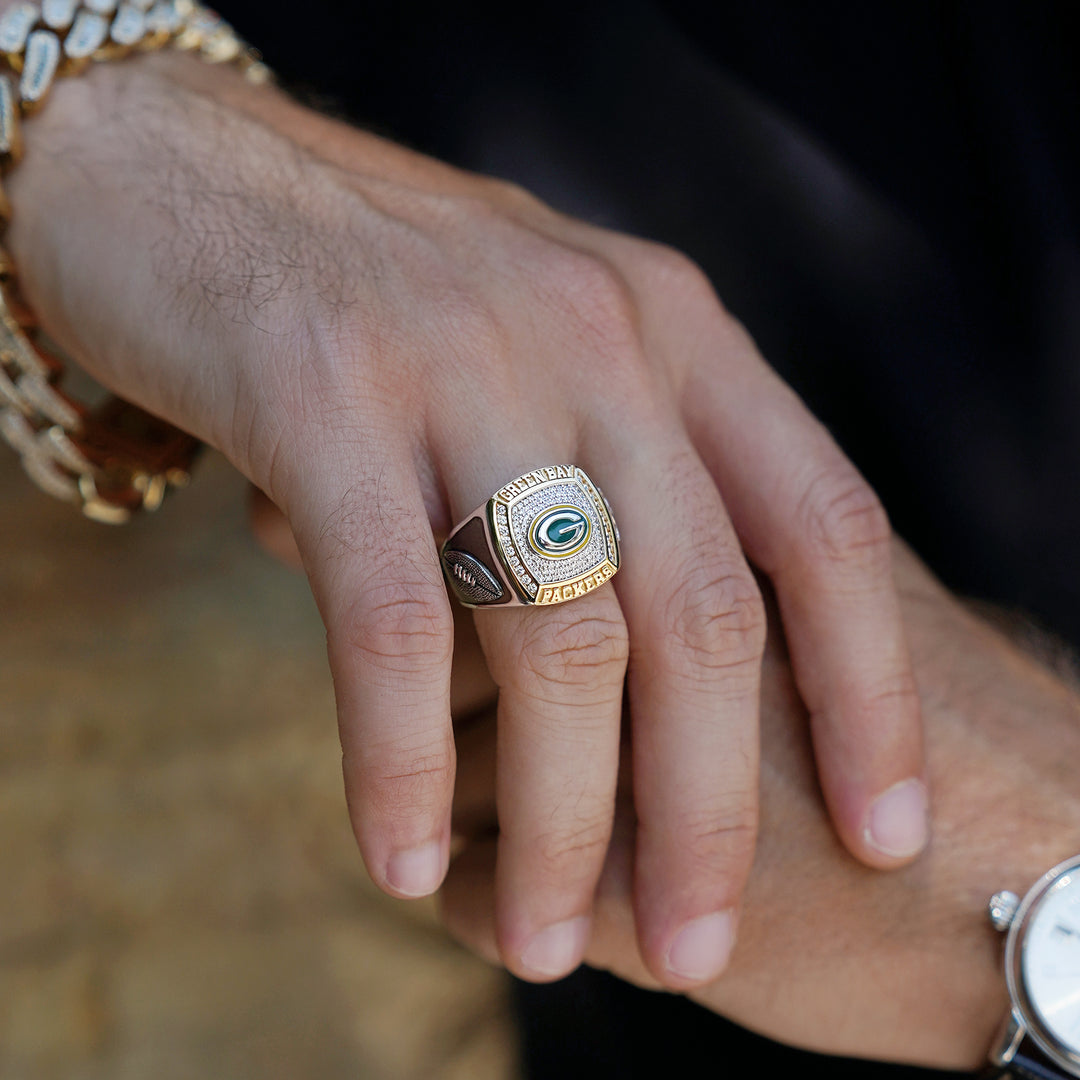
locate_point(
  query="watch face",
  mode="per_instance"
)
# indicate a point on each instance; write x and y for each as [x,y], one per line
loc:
[1044,963]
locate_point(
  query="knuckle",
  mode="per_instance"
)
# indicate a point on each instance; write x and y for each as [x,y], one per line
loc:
[721,836]
[587,653]
[690,301]
[676,273]
[470,329]
[581,843]
[894,699]
[844,520]
[714,620]
[412,781]
[596,297]
[512,196]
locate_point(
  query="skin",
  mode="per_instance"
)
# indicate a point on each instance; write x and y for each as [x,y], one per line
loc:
[832,957]
[378,342]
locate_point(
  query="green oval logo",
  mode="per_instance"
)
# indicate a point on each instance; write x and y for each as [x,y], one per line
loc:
[560,532]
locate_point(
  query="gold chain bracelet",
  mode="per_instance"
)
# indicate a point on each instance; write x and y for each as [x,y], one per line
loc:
[115,459]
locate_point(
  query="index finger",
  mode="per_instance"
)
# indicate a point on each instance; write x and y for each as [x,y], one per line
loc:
[371,558]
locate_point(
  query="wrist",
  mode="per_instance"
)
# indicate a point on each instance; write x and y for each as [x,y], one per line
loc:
[97,134]
[102,202]
[113,460]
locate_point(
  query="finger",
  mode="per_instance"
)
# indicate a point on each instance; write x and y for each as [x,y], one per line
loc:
[814,526]
[368,550]
[560,673]
[467,903]
[613,945]
[697,627]
[467,899]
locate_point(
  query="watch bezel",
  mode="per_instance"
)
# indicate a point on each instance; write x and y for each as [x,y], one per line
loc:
[1046,1040]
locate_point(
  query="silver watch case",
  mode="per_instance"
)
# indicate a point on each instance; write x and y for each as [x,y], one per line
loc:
[1009,913]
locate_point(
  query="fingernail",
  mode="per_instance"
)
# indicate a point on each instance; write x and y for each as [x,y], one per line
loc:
[897,823]
[557,949]
[701,949]
[418,871]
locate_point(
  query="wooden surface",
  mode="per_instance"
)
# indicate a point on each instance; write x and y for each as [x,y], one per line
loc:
[180,896]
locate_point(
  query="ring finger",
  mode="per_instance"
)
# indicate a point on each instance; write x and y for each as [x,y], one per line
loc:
[560,671]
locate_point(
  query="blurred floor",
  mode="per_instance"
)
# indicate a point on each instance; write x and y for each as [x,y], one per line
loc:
[180,896]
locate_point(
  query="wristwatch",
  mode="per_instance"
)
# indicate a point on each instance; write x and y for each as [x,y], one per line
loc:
[1040,1037]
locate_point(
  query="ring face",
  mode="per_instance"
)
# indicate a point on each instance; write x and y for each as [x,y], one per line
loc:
[544,538]
[554,534]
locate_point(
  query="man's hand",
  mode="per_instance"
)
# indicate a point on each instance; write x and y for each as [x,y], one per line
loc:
[831,956]
[379,342]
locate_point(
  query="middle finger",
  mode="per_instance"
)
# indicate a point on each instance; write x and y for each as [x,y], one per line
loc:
[697,633]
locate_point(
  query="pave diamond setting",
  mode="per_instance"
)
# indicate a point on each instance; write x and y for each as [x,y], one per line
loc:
[555,534]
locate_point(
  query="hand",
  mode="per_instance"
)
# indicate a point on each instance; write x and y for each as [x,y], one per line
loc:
[379,342]
[832,957]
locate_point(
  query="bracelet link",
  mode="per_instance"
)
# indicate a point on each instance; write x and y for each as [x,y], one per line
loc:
[58,14]
[15,26]
[40,64]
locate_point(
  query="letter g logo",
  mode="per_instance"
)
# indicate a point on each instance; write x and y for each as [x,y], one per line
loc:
[560,532]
